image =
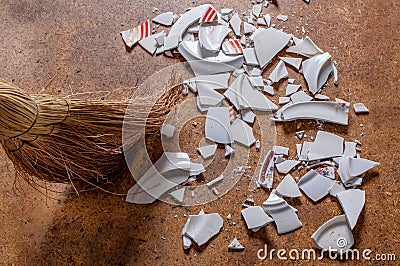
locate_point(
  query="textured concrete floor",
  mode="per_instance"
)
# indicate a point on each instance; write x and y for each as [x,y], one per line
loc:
[66,48]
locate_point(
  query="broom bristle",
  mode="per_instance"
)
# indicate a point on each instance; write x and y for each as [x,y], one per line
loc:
[71,140]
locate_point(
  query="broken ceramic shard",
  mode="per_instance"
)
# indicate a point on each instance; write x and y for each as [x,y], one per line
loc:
[150,43]
[214,82]
[165,19]
[207,151]
[267,18]
[316,71]
[284,215]
[279,72]
[336,188]
[209,15]
[196,169]
[215,191]
[249,97]
[218,128]
[235,245]
[269,89]
[171,41]
[266,175]
[134,35]
[283,100]
[359,108]
[160,38]
[228,150]
[326,145]
[305,47]
[203,227]
[248,115]
[169,171]
[207,96]
[282,17]
[279,150]
[335,75]
[334,235]
[242,133]
[257,10]
[261,21]
[326,171]
[226,11]
[232,47]
[292,88]
[214,181]
[300,97]
[178,195]
[352,202]
[248,202]
[352,168]
[300,134]
[268,43]
[235,23]
[250,56]
[167,130]
[211,37]
[256,82]
[286,166]
[288,188]
[248,28]
[255,217]
[314,185]
[321,97]
[326,111]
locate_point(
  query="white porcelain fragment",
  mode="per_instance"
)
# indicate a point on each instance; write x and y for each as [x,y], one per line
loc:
[196,169]
[226,11]
[207,96]
[300,97]
[288,187]
[280,150]
[314,185]
[250,56]
[269,89]
[171,41]
[267,18]
[248,202]
[215,181]
[300,134]
[257,10]
[132,36]
[279,159]
[203,227]
[321,97]
[283,100]
[359,108]
[242,133]
[256,82]
[350,149]
[209,15]
[212,36]
[283,214]
[261,21]
[326,145]
[292,88]
[150,44]
[235,23]
[167,130]
[286,166]
[165,19]
[187,19]
[215,191]
[266,175]
[304,150]
[290,81]
[335,75]
[255,217]
[160,38]
[316,71]
[228,150]
[325,170]
[232,47]
[214,82]
[279,72]
[336,188]
[218,128]
[305,47]
[178,195]
[249,97]
[248,28]
[352,168]
[235,245]
[268,43]
[248,115]
[282,17]
[352,202]
[207,151]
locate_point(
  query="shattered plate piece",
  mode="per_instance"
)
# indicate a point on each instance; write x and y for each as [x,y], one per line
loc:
[352,202]
[228,150]
[242,133]
[226,11]
[134,35]
[282,17]
[171,41]
[326,145]
[315,186]
[196,169]
[283,100]
[268,43]
[279,72]
[316,71]
[214,181]
[235,245]
[248,202]
[207,96]
[327,171]
[352,168]
[165,19]
[218,128]
[167,130]
[214,82]
[256,82]
[284,215]
[255,217]
[209,15]
[261,21]
[336,188]
[232,47]
[211,37]
[257,10]
[300,97]
[248,28]
[359,108]
[150,43]
[321,97]
[203,227]
[250,56]
[279,150]
[300,134]
[335,235]
[235,23]
[305,47]
[249,97]
[288,188]
[286,166]
[269,89]
[248,115]
[207,151]
[267,18]
[292,88]
[266,175]
[178,195]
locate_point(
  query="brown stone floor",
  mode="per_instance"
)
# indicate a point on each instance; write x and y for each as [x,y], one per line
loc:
[65,48]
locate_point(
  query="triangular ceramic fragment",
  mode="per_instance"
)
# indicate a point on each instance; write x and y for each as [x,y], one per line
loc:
[232,47]
[249,97]
[352,202]
[314,185]
[256,82]
[359,108]
[167,130]
[233,92]
[336,188]
[255,217]
[165,19]
[217,126]
[235,23]
[160,38]
[300,134]
[359,166]
[150,44]
[283,100]
[326,145]
[321,97]
[235,245]
[291,81]
[292,88]
[257,10]
[284,215]
[196,169]
[305,47]
[279,72]
[250,56]
[266,175]
[334,235]
[269,89]
[280,150]
[207,95]
[288,187]
[202,228]
[316,71]
[178,195]
[300,96]
[248,28]
[242,133]
[261,21]
[279,159]
[212,36]
[226,11]
[268,43]
[134,35]
[286,166]
[209,15]
[267,18]
[207,151]
[228,150]
[248,115]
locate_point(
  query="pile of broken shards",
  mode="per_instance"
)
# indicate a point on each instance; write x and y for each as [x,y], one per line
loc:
[229,52]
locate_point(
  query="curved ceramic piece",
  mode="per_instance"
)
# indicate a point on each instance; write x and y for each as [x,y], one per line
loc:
[352,202]
[279,72]
[316,71]
[284,215]
[305,47]
[191,51]
[314,185]
[209,15]
[326,111]
[207,96]
[211,37]
[300,97]
[134,35]
[187,19]
[207,151]
[235,23]
[288,187]
[242,133]
[335,235]
[352,168]
[201,228]
[266,175]
[218,128]
[249,97]
[232,47]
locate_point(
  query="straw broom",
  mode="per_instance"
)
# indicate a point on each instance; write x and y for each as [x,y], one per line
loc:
[70,140]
